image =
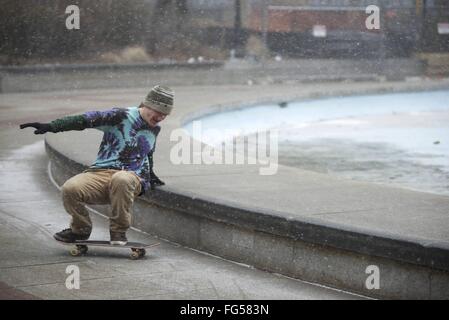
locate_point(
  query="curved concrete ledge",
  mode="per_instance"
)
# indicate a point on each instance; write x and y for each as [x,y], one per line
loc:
[27,69]
[296,223]
[98,75]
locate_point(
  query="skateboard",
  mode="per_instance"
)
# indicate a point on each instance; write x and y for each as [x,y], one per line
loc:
[137,248]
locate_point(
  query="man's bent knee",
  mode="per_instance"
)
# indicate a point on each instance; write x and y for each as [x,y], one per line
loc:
[70,189]
[124,179]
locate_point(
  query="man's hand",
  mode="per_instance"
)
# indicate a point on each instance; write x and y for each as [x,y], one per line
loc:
[155,181]
[41,128]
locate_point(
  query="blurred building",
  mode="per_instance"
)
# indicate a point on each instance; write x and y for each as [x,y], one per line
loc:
[181,29]
[328,27]
[435,25]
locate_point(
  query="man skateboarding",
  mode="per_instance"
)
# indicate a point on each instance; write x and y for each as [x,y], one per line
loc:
[123,169]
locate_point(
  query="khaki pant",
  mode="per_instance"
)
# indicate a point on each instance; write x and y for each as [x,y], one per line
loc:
[115,187]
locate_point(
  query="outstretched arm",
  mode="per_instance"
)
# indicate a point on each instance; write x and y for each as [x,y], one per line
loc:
[78,122]
[90,119]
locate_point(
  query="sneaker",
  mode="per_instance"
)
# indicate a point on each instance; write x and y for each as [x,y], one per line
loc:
[118,238]
[67,235]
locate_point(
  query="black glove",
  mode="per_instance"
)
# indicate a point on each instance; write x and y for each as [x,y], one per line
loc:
[154,180]
[41,128]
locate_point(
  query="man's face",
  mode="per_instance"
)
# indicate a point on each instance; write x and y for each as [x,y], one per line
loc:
[151,117]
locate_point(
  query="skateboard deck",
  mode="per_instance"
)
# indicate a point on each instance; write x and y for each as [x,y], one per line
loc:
[137,248]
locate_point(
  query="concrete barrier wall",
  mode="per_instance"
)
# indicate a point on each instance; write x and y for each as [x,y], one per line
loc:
[94,76]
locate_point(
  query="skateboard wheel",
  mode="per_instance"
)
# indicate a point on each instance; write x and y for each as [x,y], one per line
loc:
[137,253]
[82,249]
[75,252]
[78,250]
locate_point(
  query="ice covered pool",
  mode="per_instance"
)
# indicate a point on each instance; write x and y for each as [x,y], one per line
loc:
[400,139]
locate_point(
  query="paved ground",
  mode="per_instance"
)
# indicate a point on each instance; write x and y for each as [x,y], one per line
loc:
[33,265]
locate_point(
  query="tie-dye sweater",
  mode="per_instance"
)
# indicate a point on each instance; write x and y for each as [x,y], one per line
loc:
[128,141]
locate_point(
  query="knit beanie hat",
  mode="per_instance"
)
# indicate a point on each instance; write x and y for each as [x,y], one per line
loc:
[160,98]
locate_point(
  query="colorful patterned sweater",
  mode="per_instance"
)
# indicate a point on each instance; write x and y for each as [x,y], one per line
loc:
[128,141]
